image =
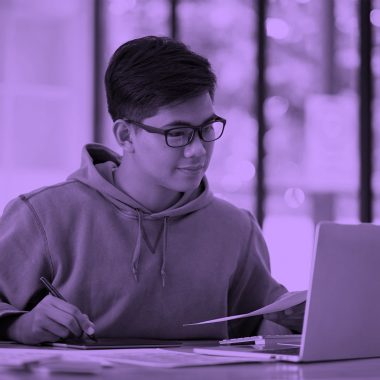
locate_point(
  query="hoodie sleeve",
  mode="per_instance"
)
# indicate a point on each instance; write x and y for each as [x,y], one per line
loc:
[253,287]
[23,258]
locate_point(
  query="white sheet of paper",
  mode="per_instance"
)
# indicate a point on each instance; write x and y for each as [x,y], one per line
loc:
[167,358]
[69,361]
[19,357]
[68,366]
[288,300]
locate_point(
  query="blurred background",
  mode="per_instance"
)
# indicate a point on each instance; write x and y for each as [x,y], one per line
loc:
[299,85]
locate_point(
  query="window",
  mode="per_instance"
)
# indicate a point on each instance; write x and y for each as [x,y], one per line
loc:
[312,158]
[45,91]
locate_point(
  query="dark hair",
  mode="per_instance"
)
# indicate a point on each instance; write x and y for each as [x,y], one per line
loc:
[151,72]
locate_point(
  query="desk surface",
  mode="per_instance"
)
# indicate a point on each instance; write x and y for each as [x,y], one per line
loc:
[339,370]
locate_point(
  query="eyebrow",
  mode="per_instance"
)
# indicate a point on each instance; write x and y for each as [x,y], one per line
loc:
[182,122]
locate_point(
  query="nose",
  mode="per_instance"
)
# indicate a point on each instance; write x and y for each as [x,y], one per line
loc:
[196,147]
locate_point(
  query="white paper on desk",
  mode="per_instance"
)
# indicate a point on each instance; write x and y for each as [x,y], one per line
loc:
[20,357]
[288,300]
[164,358]
[68,367]
[90,356]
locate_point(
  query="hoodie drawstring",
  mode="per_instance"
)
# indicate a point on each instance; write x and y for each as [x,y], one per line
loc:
[137,251]
[163,264]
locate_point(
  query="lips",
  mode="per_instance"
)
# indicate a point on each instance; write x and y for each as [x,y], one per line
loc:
[195,169]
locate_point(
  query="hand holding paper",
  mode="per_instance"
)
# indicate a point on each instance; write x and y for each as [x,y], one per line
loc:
[287,302]
[292,317]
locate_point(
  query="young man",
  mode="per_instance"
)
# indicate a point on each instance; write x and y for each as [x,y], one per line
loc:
[138,245]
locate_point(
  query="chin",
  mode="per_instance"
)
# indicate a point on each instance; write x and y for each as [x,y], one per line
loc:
[185,186]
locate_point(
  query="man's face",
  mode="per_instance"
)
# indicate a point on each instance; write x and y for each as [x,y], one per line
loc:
[176,169]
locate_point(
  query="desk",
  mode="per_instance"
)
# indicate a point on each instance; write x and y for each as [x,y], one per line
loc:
[339,370]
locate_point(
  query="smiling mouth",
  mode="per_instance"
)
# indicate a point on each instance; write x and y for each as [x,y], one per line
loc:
[192,169]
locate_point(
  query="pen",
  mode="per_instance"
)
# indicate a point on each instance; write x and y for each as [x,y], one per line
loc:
[54,292]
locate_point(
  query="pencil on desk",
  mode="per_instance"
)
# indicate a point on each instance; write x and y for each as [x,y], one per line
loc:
[54,292]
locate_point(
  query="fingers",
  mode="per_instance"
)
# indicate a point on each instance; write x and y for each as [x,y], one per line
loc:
[71,317]
[288,312]
[47,336]
[295,312]
[291,318]
[66,324]
[272,316]
[300,308]
[51,331]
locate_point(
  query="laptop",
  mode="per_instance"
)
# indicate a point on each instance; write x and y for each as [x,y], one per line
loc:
[342,316]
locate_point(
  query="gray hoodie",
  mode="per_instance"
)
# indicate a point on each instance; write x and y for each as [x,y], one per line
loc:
[134,273]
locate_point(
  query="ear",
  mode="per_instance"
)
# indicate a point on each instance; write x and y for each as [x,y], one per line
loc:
[124,134]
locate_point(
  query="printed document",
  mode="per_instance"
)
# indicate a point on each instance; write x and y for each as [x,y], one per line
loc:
[165,358]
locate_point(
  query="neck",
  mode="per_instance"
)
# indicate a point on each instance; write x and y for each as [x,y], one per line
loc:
[154,198]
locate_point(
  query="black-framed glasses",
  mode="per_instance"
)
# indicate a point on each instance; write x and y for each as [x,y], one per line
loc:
[182,135]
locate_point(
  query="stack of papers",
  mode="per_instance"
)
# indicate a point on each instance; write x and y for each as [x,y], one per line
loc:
[163,358]
[92,362]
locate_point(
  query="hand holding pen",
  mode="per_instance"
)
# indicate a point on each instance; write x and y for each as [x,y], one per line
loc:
[89,332]
[50,320]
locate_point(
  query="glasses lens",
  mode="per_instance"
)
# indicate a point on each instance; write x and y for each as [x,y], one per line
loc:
[179,136]
[212,131]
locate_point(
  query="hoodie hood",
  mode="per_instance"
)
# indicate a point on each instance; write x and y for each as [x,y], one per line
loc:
[96,171]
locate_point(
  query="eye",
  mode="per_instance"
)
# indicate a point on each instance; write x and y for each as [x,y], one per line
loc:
[177,133]
[180,133]
[208,128]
